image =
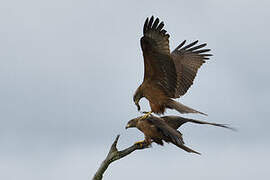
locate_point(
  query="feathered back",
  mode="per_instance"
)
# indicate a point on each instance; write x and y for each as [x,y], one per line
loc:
[169,133]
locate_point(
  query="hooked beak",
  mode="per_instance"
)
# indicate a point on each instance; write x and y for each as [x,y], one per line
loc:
[138,106]
[127,126]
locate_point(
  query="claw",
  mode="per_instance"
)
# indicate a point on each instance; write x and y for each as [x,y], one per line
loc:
[140,143]
[147,114]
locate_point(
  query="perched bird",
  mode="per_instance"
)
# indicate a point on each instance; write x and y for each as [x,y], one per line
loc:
[167,75]
[161,129]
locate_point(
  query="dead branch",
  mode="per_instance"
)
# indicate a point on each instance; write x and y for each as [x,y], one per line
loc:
[114,155]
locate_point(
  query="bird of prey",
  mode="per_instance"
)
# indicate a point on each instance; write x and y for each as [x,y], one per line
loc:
[167,75]
[161,129]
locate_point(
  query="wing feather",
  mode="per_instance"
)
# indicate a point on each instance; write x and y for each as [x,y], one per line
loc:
[158,64]
[168,132]
[188,59]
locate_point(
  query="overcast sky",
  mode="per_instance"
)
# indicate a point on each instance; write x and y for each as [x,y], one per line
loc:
[68,71]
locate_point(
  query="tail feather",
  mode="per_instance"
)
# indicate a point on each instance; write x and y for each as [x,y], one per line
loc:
[177,121]
[213,124]
[182,108]
[188,149]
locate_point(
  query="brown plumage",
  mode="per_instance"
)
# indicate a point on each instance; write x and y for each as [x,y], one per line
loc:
[167,75]
[161,129]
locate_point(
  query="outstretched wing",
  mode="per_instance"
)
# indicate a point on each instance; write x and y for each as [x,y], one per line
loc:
[176,121]
[188,60]
[158,64]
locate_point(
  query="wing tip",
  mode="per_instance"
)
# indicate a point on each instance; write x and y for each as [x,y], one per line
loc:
[154,24]
[145,25]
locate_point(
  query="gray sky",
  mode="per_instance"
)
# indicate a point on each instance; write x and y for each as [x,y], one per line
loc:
[69,69]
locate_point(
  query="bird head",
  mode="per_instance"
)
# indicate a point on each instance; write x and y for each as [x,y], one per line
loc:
[132,123]
[137,97]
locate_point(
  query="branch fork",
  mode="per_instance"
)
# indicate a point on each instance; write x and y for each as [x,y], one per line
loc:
[115,155]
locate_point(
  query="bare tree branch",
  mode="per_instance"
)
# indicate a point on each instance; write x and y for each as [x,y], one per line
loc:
[114,155]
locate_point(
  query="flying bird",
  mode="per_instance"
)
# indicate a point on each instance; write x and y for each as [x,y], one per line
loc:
[161,129]
[167,75]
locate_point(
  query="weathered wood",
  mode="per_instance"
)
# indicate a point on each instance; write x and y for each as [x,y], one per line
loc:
[114,155]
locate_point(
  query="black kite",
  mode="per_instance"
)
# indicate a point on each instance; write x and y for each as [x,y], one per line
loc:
[167,75]
[161,129]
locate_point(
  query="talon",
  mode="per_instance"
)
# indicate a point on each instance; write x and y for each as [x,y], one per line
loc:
[140,143]
[147,114]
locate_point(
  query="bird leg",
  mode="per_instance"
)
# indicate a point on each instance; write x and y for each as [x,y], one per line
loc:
[140,143]
[146,114]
